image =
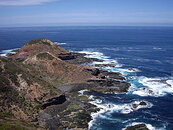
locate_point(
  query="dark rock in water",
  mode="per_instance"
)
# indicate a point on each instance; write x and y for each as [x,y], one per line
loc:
[54,101]
[66,56]
[81,59]
[135,105]
[108,85]
[105,65]
[94,71]
[112,75]
[143,103]
[137,127]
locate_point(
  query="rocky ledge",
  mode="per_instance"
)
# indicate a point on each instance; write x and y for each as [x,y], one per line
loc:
[39,87]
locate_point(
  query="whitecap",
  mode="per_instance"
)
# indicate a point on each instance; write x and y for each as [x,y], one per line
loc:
[97,55]
[106,61]
[60,43]
[101,56]
[130,70]
[157,48]
[170,82]
[154,86]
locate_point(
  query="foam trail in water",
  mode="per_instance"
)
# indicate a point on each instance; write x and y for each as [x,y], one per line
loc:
[101,56]
[154,86]
[97,55]
[60,43]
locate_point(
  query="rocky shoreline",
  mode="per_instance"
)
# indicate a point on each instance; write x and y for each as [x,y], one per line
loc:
[45,80]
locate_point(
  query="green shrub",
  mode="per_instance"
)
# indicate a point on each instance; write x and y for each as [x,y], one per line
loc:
[45,55]
[38,41]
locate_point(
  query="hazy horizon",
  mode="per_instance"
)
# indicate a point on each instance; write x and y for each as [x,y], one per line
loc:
[22,13]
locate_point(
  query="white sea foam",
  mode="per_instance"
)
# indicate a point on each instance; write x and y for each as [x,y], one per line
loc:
[170,82]
[130,70]
[120,108]
[149,126]
[4,53]
[90,54]
[101,56]
[106,61]
[81,92]
[60,43]
[157,48]
[154,86]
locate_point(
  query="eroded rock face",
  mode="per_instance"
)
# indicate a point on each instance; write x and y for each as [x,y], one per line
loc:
[67,56]
[54,101]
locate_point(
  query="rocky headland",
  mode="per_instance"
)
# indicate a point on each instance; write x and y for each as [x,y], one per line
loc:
[39,87]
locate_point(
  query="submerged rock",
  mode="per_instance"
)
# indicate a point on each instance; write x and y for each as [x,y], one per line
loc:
[137,127]
[135,105]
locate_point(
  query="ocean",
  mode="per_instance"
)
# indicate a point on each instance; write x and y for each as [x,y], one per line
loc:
[144,55]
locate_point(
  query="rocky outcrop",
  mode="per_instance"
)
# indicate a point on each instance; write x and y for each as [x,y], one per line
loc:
[40,84]
[54,101]
[67,56]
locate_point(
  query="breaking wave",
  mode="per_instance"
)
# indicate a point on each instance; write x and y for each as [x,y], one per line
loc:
[4,53]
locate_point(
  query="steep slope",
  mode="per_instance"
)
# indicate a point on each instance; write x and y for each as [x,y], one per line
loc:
[21,92]
[29,82]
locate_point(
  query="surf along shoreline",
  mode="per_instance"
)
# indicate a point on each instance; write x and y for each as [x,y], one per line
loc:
[106,64]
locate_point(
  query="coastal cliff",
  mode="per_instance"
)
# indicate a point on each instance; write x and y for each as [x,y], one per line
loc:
[39,87]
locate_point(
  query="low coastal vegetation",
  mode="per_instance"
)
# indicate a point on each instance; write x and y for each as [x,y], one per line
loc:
[39,41]
[45,55]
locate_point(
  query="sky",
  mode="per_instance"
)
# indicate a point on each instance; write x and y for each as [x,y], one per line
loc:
[86,12]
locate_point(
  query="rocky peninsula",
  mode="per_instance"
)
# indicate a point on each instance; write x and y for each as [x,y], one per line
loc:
[40,84]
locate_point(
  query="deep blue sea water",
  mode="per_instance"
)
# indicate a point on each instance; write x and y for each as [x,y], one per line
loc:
[144,55]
